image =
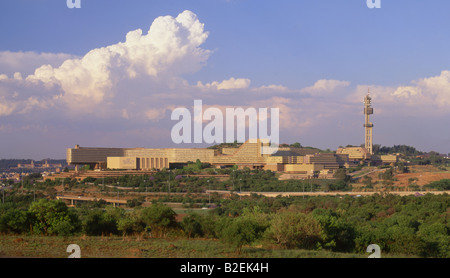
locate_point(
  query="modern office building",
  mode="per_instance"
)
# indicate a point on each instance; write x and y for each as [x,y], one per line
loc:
[288,159]
[355,153]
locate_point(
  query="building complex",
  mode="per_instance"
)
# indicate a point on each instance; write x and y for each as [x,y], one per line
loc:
[300,162]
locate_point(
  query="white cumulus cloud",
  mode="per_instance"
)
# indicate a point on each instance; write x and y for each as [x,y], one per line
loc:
[229,84]
[170,48]
[27,61]
[325,86]
[429,95]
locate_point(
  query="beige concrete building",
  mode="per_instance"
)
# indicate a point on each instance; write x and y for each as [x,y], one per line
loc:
[249,154]
[355,153]
[146,159]
[125,163]
[308,169]
[384,159]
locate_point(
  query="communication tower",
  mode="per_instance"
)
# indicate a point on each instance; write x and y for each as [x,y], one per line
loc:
[368,110]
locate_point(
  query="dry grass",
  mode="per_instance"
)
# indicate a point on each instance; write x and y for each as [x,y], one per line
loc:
[138,247]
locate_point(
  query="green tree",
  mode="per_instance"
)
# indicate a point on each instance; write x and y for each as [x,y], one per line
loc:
[88,180]
[199,164]
[131,223]
[443,184]
[339,185]
[159,218]
[14,221]
[53,217]
[292,229]
[343,180]
[192,225]
[239,231]
[136,202]
[98,222]
[338,234]
[436,239]
[341,174]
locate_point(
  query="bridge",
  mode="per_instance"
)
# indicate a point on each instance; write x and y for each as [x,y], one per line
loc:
[74,199]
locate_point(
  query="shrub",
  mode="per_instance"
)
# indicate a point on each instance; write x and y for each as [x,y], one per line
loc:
[159,219]
[131,223]
[240,231]
[443,184]
[295,230]
[48,217]
[99,222]
[14,221]
[192,225]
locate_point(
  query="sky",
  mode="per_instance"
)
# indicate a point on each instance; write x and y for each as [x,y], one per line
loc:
[110,73]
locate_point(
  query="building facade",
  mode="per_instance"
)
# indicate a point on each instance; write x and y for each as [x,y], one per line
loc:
[290,160]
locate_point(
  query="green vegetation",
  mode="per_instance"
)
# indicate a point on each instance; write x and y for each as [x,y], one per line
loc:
[184,180]
[400,225]
[403,149]
[439,185]
[411,154]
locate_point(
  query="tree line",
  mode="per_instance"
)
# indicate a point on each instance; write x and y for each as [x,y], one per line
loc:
[182,180]
[409,225]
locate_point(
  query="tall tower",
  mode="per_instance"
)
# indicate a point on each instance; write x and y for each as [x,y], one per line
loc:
[368,110]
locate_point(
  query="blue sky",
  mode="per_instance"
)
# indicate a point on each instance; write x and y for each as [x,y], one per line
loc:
[314,60]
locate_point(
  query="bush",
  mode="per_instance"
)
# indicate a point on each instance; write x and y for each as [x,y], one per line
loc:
[436,239]
[159,219]
[48,217]
[14,221]
[340,185]
[131,223]
[441,185]
[292,229]
[62,228]
[98,222]
[338,235]
[240,231]
[192,225]
[89,179]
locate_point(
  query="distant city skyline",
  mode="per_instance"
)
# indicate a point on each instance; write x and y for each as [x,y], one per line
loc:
[110,73]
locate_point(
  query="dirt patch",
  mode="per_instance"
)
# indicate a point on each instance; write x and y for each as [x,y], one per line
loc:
[420,179]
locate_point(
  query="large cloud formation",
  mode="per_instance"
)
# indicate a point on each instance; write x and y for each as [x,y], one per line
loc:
[169,49]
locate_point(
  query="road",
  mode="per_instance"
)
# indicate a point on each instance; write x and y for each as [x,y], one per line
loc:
[333,193]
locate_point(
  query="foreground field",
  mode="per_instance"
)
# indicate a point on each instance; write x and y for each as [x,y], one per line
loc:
[135,247]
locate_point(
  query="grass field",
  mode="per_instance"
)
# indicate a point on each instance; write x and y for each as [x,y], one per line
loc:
[136,247]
